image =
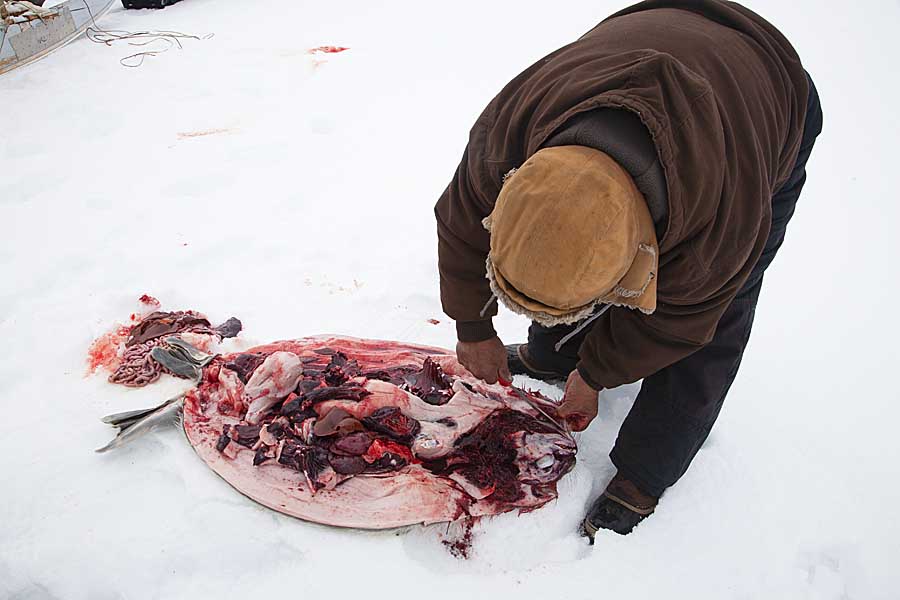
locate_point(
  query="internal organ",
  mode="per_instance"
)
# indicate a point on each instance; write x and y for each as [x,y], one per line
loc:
[374,434]
[271,382]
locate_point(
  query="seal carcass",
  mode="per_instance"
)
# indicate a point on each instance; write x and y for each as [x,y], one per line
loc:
[373,434]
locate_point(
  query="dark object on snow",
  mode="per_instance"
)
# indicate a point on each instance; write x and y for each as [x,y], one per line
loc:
[229,328]
[619,509]
[690,349]
[521,363]
[677,406]
[148,3]
[727,123]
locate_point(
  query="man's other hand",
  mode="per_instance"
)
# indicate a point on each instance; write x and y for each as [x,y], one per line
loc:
[580,403]
[485,360]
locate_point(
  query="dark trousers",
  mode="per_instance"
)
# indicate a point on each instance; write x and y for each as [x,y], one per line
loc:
[677,406]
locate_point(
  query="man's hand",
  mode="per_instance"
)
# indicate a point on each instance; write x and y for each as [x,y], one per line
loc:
[580,403]
[485,360]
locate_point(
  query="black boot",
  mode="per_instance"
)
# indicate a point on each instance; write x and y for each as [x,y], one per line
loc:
[520,363]
[619,509]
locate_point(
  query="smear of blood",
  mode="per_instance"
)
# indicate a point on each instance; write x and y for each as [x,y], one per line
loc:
[192,134]
[434,321]
[104,352]
[326,50]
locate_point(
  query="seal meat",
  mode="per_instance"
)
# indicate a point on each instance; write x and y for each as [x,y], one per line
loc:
[357,433]
[373,434]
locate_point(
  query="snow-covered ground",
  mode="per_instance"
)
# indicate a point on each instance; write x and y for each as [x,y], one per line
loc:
[306,207]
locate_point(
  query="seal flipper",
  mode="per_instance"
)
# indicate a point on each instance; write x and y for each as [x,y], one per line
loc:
[133,424]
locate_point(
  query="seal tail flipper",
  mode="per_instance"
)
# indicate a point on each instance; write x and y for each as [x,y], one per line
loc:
[133,424]
[123,419]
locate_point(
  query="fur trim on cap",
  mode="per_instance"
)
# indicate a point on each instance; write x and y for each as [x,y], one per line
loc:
[627,293]
[579,314]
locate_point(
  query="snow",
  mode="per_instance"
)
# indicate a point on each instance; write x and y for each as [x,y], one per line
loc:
[306,208]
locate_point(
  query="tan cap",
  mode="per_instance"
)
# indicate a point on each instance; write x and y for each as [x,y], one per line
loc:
[570,230]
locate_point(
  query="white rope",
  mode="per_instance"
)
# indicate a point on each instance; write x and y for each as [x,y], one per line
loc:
[581,326]
[487,305]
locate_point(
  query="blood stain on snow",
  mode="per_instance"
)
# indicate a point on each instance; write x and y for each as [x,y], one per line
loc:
[326,50]
[148,299]
[185,135]
[461,546]
[434,321]
[104,351]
